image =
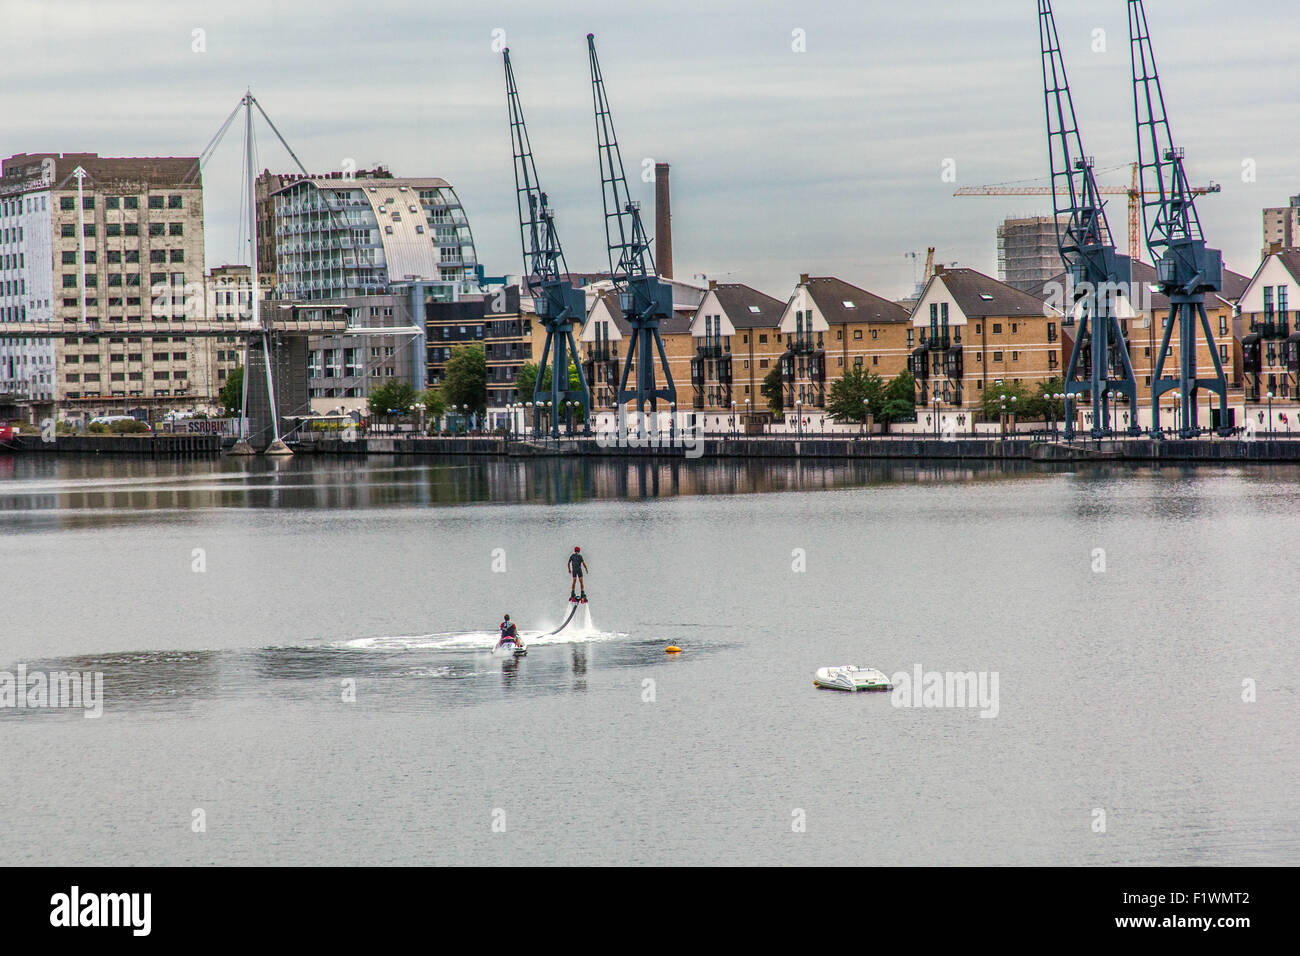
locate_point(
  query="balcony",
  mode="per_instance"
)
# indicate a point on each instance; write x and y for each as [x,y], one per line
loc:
[952,362]
[802,343]
[919,363]
[713,349]
[724,370]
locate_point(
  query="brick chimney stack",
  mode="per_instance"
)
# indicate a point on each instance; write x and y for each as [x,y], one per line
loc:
[663,222]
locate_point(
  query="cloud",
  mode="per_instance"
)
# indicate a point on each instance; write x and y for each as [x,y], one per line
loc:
[825,161]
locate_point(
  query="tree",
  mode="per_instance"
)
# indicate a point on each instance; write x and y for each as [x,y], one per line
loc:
[526,381]
[899,400]
[1048,407]
[435,406]
[992,402]
[773,389]
[395,396]
[854,394]
[465,381]
[232,393]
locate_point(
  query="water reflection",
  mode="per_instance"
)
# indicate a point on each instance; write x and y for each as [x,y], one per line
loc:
[95,490]
[177,680]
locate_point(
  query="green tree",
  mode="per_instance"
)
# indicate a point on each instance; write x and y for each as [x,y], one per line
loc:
[773,389]
[465,381]
[435,406]
[854,394]
[899,400]
[395,396]
[232,393]
[526,381]
[1048,407]
[992,402]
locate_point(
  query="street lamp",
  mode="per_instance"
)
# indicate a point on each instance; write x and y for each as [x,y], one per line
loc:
[747,416]
[733,419]
[1270,413]
[936,415]
[798,414]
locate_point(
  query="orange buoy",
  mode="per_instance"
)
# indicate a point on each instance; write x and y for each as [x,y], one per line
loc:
[673,649]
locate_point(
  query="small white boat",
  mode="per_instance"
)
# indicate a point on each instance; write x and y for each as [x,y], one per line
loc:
[851,678]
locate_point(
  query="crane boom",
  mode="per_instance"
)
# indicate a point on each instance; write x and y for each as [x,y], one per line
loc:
[643,297]
[559,305]
[1093,269]
[1186,268]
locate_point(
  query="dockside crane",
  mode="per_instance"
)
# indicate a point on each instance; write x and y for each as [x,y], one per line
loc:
[643,297]
[1186,268]
[1093,268]
[559,304]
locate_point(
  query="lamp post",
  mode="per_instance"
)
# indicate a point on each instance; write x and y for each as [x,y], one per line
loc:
[1013,416]
[1270,413]
[866,410]
[747,415]
[1002,418]
[936,415]
[733,419]
[672,422]
[798,415]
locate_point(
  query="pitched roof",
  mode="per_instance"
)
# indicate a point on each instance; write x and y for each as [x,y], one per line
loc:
[979,296]
[841,303]
[1142,273]
[740,301]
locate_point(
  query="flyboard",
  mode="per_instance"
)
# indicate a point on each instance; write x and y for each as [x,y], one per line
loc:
[574,604]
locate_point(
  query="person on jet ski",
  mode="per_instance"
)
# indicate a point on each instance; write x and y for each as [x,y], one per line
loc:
[509,633]
[576,566]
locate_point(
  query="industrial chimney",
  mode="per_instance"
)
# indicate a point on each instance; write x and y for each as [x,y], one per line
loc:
[663,222]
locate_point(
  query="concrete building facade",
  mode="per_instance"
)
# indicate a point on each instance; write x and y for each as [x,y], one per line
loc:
[122,242]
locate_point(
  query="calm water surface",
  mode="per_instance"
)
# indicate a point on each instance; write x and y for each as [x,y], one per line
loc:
[228,605]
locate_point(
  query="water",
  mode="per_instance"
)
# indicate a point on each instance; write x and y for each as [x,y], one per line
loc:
[1120,692]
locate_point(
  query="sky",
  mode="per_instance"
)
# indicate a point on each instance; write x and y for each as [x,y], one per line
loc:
[804,137]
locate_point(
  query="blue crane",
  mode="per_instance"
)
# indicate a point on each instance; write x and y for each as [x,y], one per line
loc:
[559,304]
[1095,273]
[1186,268]
[643,297]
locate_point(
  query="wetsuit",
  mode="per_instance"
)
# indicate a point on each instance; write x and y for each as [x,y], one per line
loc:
[508,633]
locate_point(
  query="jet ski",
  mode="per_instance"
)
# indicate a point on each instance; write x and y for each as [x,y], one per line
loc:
[851,678]
[510,646]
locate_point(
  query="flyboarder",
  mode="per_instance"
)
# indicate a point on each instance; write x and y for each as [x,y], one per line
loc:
[576,566]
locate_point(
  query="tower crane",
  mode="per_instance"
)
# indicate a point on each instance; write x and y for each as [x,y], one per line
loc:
[559,304]
[1093,267]
[643,297]
[1186,268]
[1132,191]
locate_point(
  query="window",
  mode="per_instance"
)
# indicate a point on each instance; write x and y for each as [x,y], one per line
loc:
[997,328]
[156,228]
[89,229]
[113,229]
[857,334]
[997,356]
[155,202]
[112,202]
[978,328]
[67,229]
[178,255]
[174,202]
[1223,353]
[131,229]
[1015,356]
[175,228]
[67,203]
[762,339]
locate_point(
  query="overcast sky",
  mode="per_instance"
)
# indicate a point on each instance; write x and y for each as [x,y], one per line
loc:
[827,161]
